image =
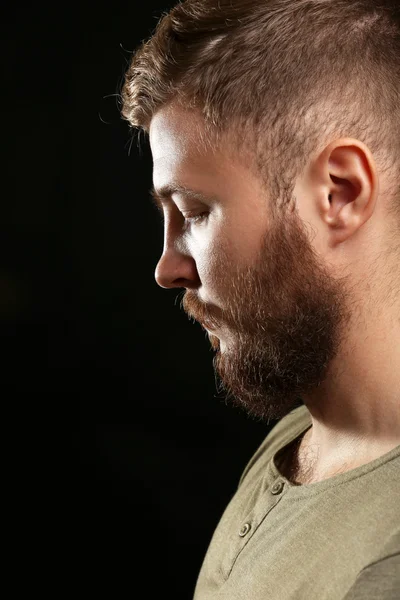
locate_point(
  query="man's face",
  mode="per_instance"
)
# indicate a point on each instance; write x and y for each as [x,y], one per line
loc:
[274,313]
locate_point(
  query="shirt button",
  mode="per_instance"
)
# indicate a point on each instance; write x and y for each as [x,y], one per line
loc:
[277,487]
[245,529]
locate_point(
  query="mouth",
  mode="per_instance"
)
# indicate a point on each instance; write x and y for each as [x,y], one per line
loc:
[208,327]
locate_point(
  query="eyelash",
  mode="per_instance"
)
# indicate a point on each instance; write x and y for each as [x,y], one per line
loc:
[195,218]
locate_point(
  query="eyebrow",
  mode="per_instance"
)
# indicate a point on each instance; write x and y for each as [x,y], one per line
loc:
[163,195]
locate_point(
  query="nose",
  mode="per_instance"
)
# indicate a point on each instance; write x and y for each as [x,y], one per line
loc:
[176,270]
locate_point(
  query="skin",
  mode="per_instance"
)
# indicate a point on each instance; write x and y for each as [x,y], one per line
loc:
[298,304]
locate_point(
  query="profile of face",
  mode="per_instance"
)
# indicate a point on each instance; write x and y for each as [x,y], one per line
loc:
[274,313]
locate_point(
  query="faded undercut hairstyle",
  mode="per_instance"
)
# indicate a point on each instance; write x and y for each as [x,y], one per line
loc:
[279,78]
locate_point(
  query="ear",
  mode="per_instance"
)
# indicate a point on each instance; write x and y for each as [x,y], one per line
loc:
[345,180]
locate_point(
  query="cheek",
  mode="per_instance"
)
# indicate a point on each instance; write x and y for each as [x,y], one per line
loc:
[214,261]
[207,258]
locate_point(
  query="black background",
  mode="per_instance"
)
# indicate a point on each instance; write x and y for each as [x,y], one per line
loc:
[125,455]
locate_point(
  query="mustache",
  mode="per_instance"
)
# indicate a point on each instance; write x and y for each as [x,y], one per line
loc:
[198,310]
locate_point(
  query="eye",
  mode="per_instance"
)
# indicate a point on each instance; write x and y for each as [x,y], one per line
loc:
[193,218]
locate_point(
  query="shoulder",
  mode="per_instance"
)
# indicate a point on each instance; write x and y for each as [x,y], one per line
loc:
[381,578]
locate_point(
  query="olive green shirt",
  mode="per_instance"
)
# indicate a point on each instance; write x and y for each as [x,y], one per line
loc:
[337,539]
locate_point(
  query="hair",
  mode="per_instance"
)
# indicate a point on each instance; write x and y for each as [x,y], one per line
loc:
[279,78]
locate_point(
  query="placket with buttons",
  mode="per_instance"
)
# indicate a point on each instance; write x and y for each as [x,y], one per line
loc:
[257,516]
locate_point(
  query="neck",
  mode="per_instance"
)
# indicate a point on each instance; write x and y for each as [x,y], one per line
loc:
[356,411]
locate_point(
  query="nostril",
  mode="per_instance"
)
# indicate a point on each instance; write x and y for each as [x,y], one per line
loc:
[176,270]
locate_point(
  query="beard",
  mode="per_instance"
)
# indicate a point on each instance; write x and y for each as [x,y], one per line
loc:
[283,321]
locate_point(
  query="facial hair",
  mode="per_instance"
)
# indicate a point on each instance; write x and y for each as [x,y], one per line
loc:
[286,316]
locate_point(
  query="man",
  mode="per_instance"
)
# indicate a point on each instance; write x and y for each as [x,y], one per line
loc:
[274,127]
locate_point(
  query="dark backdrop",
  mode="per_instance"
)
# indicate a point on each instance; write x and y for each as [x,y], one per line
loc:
[124,455]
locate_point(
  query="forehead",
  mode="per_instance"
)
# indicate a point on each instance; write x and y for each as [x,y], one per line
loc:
[175,131]
[179,151]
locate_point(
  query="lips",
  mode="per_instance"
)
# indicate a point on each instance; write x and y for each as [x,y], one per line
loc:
[208,326]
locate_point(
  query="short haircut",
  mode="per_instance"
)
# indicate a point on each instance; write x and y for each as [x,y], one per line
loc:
[281,77]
